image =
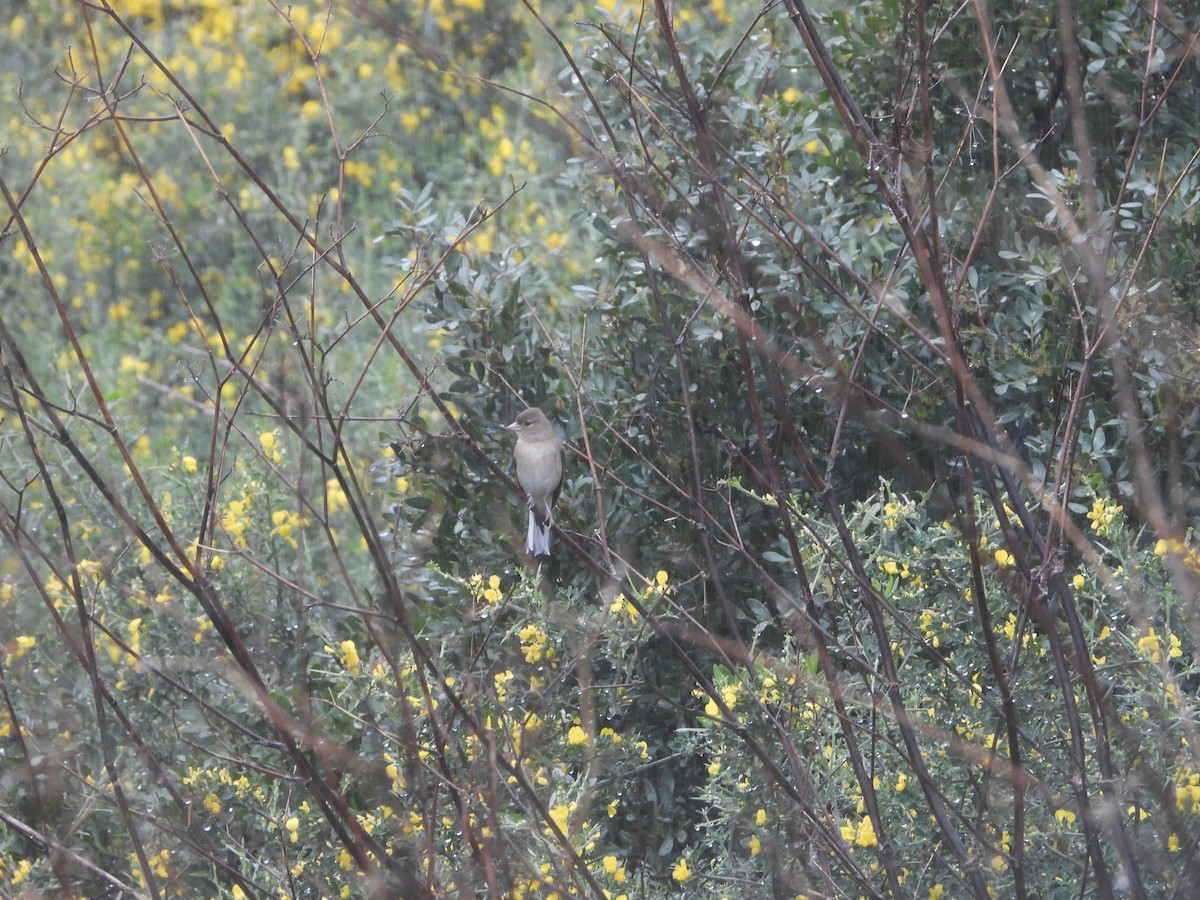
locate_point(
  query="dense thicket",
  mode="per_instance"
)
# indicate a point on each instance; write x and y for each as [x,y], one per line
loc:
[872,335]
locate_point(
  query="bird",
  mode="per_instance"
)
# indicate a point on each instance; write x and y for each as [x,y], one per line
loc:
[539,457]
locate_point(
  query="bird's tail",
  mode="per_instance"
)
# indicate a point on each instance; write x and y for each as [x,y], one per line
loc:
[537,542]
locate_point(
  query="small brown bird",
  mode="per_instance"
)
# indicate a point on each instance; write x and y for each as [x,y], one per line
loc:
[539,457]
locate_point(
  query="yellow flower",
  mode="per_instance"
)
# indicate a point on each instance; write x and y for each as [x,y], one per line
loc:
[269,441]
[135,366]
[621,605]
[285,523]
[1187,798]
[1149,646]
[349,656]
[865,833]
[492,594]
[335,496]
[862,834]
[561,816]
[1102,515]
[533,643]
[21,872]
[235,521]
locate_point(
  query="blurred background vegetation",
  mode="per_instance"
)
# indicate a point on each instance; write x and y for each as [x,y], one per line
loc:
[871,330]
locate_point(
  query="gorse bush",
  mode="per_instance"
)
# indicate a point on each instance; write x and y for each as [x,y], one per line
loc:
[871,335]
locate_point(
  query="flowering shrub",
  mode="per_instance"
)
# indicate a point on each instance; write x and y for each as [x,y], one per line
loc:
[876,555]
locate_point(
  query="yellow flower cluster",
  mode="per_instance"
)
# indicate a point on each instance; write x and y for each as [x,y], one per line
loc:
[613,868]
[491,595]
[533,644]
[860,834]
[18,648]
[1151,646]
[236,520]
[1103,516]
[1187,794]
[158,862]
[893,568]
[1177,548]
[347,654]
[271,447]
[621,607]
